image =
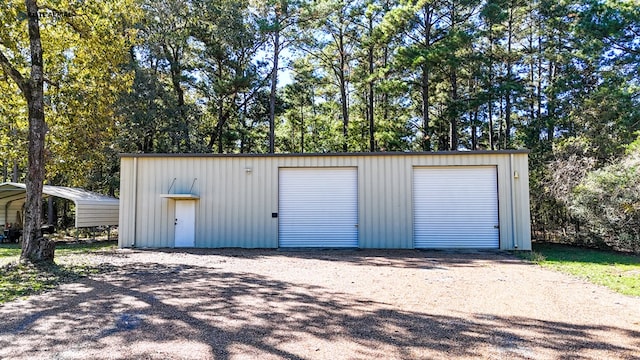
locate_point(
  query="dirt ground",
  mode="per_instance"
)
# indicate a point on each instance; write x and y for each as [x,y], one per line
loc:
[269,304]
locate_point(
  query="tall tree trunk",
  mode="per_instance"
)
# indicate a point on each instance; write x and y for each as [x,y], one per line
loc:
[474,130]
[539,83]
[243,123]
[453,77]
[173,55]
[34,247]
[490,90]
[532,86]
[385,62]
[507,114]
[274,85]
[426,137]
[343,92]
[216,135]
[473,112]
[385,95]
[490,111]
[453,121]
[345,116]
[501,125]
[372,130]
[302,127]
[314,119]
[15,174]
[551,107]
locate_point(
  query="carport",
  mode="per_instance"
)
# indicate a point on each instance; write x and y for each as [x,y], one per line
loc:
[91,209]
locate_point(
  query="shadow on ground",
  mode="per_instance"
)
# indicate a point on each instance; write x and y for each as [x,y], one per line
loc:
[182,311]
[409,259]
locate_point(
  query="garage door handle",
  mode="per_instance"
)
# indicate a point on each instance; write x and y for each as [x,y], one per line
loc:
[356,225]
[496,226]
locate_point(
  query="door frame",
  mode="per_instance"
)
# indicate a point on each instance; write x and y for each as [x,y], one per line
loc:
[185,209]
[496,192]
[350,168]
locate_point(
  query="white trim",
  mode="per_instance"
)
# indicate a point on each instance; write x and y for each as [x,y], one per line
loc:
[180,196]
[318,207]
[456,207]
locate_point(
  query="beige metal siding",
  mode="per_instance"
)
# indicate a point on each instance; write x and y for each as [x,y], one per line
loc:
[127,214]
[235,205]
[11,215]
[522,231]
[91,209]
[102,214]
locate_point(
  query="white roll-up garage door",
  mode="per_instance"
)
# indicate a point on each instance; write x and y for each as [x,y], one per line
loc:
[455,207]
[318,207]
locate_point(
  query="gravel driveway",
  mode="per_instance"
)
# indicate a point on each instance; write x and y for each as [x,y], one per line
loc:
[267,304]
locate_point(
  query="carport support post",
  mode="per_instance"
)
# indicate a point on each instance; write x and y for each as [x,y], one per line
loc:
[50,210]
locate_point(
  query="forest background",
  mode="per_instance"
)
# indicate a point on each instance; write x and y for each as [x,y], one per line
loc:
[561,78]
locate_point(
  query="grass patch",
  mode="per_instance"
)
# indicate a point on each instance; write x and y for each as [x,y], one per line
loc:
[22,280]
[9,250]
[64,249]
[617,271]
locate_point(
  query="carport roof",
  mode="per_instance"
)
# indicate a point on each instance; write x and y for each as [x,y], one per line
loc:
[10,191]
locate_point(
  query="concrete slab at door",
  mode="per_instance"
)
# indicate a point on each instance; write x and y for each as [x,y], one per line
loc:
[185,223]
[318,207]
[455,207]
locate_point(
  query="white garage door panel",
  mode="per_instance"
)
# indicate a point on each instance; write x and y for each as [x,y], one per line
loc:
[456,207]
[318,207]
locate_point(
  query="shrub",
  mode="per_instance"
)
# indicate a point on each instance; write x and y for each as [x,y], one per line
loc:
[607,201]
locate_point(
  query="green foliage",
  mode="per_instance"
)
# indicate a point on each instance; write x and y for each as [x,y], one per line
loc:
[557,77]
[617,271]
[607,201]
[85,45]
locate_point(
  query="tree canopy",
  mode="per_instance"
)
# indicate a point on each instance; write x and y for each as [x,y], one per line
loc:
[558,77]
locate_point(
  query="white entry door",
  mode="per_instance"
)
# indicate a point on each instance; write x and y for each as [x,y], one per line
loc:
[185,223]
[455,207]
[318,207]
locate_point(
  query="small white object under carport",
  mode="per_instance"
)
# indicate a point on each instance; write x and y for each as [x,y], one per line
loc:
[92,209]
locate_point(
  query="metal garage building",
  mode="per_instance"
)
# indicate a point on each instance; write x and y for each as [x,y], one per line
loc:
[365,200]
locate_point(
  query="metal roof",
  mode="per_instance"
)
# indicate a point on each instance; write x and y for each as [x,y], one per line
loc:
[92,209]
[385,153]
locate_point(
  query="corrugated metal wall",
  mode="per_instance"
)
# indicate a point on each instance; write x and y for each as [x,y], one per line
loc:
[11,215]
[87,214]
[238,194]
[96,214]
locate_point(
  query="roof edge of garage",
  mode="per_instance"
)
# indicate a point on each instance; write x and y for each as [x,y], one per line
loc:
[391,153]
